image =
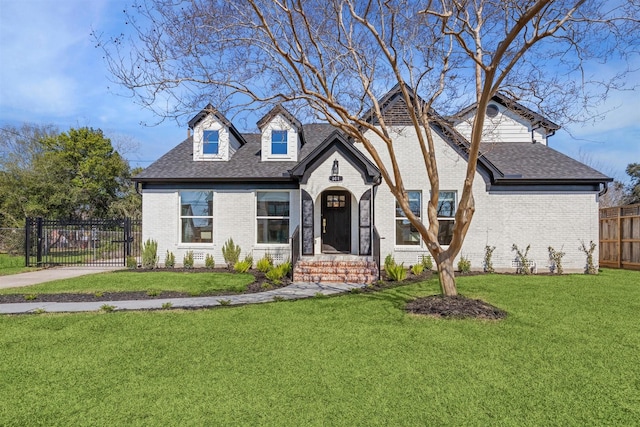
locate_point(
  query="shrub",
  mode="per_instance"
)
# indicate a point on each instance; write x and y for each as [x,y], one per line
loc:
[107,308]
[590,267]
[276,274]
[427,262]
[488,254]
[286,267]
[417,269]
[464,265]
[169,260]
[30,297]
[187,261]
[209,262]
[153,292]
[132,262]
[98,294]
[167,305]
[556,258]
[231,253]
[150,254]
[224,302]
[242,266]
[265,263]
[396,272]
[249,259]
[389,261]
[523,259]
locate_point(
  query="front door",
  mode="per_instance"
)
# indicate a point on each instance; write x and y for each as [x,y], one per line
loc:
[336,221]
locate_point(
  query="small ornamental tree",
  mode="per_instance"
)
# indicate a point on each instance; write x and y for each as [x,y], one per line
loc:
[590,267]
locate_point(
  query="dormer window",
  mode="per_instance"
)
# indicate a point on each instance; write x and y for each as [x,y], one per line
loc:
[210,143]
[279,142]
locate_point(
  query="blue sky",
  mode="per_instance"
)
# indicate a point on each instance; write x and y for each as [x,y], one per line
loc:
[51,73]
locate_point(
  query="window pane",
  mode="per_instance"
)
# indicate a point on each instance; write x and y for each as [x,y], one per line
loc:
[197,230]
[406,234]
[273,230]
[273,204]
[447,204]
[196,203]
[210,145]
[278,142]
[209,148]
[414,204]
[445,231]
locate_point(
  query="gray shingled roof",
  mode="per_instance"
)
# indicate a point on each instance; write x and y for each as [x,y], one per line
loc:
[514,161]
[245,164]
[535,161]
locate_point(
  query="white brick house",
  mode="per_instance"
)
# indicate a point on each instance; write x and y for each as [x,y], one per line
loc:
[311,184]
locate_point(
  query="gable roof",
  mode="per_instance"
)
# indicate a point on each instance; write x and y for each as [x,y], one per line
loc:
[245,165]
[279,109]
[210,109]
[504,165]
[534,118]
[336,142]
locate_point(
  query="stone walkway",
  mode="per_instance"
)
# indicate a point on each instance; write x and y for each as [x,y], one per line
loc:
[291,292]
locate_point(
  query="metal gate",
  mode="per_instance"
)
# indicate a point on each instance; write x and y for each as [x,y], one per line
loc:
[94,242]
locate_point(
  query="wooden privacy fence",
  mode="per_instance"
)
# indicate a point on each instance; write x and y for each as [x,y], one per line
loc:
[620,237]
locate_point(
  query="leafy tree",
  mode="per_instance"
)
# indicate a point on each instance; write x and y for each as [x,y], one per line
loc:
[74,174]
[333,59]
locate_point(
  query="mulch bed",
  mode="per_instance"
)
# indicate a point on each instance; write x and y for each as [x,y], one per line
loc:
[457,307]
[259,285]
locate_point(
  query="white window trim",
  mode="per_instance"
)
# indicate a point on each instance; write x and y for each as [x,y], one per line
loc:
[395,220]
[180,244]
[256,217]
[455,210]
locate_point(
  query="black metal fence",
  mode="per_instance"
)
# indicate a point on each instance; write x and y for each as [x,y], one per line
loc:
[86,242]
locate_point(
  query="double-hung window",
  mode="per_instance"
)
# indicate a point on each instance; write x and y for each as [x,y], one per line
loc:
[211,142]
[272,216]
[196,216]
[446,216]
[406,233]
[278,142]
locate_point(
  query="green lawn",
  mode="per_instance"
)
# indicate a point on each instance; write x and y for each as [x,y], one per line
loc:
[12,265]
[123,281]
[568,354]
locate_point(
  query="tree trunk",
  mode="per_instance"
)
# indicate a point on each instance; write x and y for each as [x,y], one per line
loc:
[447,277]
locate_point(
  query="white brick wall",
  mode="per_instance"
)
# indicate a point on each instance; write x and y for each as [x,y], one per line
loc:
[542,220]
[234,216]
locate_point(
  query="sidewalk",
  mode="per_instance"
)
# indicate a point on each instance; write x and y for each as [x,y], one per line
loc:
[49,275]
[293,291]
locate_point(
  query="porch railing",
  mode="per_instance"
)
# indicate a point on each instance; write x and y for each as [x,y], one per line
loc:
[295,246]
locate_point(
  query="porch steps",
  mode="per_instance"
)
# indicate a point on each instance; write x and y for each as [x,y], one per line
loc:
[359,270]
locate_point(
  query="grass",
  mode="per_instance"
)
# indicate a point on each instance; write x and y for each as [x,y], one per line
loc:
[567,354]
[156,282]
[10,264]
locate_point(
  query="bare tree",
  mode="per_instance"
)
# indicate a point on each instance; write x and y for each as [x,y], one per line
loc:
[333,59]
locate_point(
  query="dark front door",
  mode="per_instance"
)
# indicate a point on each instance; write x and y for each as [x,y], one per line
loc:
[336,221]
